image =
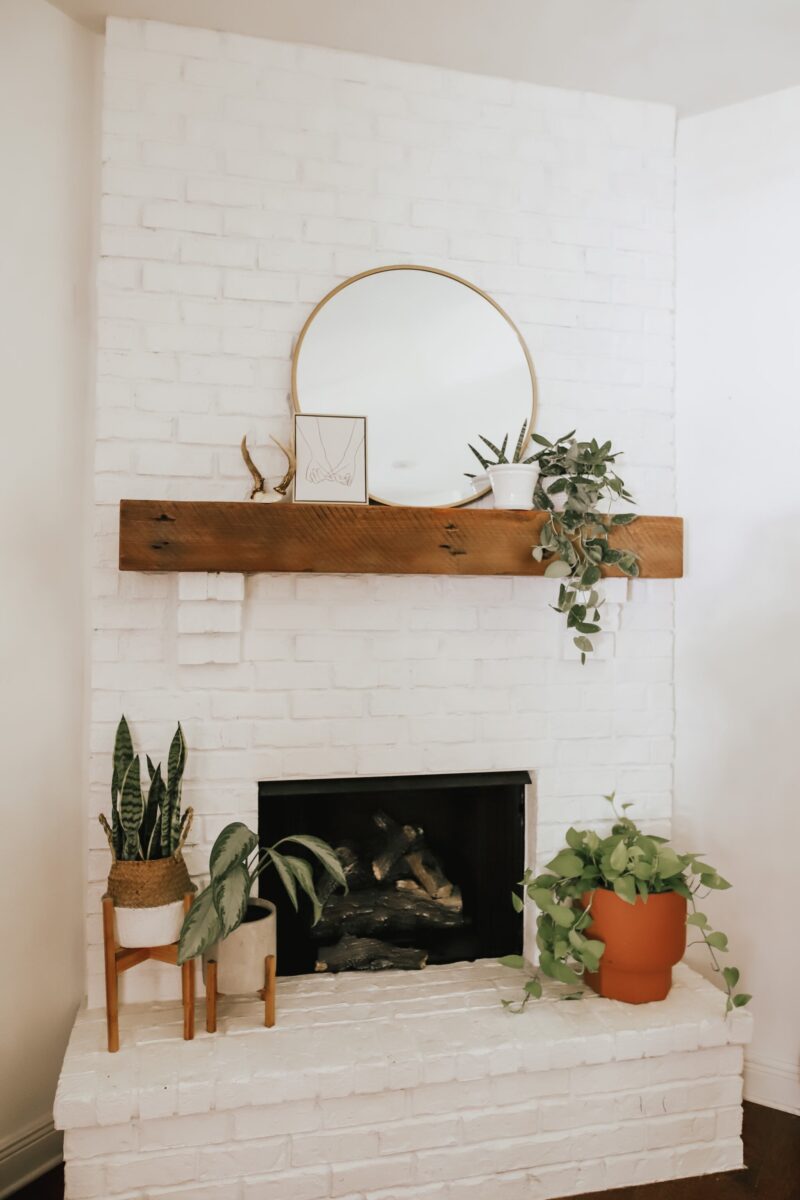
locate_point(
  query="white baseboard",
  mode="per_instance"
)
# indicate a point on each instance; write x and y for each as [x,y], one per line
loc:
[773,1083]
[27,1155]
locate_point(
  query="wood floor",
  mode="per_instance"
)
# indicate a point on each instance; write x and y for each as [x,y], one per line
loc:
[771,1151]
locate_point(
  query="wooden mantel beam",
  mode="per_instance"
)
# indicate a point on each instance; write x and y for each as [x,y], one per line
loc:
[167,535]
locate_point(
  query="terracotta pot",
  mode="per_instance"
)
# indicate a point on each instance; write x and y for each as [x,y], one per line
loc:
[643,942]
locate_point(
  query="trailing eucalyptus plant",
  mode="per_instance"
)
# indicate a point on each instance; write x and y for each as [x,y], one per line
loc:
[500,452]
[574,542]
[145,829]
[630,863]
[235,864]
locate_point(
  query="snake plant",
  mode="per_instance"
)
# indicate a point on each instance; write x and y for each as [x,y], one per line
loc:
[150,828]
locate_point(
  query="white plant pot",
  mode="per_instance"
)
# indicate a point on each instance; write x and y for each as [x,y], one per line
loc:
[159,926]
[240,956]
[513,484]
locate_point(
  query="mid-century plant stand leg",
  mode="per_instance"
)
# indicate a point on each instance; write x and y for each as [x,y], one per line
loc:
[267,993]
[121,958]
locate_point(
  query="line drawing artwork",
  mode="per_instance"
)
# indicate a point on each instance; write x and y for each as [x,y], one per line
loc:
[331,462]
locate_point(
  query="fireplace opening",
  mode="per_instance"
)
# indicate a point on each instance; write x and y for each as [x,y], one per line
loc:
[430,862]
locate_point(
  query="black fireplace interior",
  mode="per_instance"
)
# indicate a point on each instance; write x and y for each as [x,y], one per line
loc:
[430,859]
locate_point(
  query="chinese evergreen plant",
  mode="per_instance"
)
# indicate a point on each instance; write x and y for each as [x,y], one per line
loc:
[630,863]
[235,864]
[500,452]
[145,829]
[574,542]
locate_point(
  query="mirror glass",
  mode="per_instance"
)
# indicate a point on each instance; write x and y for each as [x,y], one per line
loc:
[431,362]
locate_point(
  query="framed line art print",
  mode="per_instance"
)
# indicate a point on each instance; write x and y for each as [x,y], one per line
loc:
[331,454]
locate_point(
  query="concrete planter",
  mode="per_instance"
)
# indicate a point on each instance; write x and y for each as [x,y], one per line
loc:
[240,956]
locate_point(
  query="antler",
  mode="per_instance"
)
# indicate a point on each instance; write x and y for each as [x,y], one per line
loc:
[259,482]
[291,468]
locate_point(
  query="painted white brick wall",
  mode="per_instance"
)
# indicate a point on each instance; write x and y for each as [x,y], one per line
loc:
[242,179]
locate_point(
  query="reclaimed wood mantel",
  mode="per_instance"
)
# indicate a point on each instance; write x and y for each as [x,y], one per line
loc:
[247,538]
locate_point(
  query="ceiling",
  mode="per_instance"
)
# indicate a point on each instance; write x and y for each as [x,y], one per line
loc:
[694,54]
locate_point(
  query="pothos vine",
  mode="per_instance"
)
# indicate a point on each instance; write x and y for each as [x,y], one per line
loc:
[575,479]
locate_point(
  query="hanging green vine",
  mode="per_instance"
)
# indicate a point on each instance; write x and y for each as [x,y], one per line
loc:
[574,541]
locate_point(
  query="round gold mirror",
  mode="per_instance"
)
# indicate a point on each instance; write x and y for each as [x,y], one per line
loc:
[432,362]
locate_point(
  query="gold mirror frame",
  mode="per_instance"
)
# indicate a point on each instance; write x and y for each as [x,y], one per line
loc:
[456,279]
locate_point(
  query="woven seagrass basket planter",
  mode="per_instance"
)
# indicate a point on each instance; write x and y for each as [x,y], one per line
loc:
[148,897]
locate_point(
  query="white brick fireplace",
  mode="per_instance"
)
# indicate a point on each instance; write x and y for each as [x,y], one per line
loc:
[242,179]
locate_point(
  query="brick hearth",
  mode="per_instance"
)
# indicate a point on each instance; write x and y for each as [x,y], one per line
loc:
[404,1087]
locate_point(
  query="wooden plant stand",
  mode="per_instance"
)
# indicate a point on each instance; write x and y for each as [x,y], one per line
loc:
[122,958]
[267,993]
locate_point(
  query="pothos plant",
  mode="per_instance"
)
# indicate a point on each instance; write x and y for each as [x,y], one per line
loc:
[235,864]
[574,541]
[145,828]
[630,863]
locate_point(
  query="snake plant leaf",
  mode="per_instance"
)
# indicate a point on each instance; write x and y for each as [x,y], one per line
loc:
[483,461]
[494,449]
[232,847]
[166,824]
[230,892]
[123,751]
[325,855]
[201,927]
[286,876]
[305,877]
[520,443]
[131,812]
[176,763]
[151,825]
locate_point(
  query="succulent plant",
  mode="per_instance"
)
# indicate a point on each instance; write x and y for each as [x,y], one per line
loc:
[500,451]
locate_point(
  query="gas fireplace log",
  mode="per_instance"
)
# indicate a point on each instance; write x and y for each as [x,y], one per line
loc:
[383,911]
[369,954]
[398,839]
[453,901]
[427,870]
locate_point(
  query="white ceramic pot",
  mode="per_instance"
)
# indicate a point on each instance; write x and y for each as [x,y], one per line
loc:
[158,926]
[240,956]
[513,484]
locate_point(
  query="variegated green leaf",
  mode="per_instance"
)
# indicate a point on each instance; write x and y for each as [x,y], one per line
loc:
[131,812]
[176,763]
[123,751]
[201,927]
[230,892]
[151,826]
[166,824]
[325,853]
[235,844]
[286,876]
[305,877]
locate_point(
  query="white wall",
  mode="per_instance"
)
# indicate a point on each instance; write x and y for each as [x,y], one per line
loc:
[242,180]
[738,661]
[46,124]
